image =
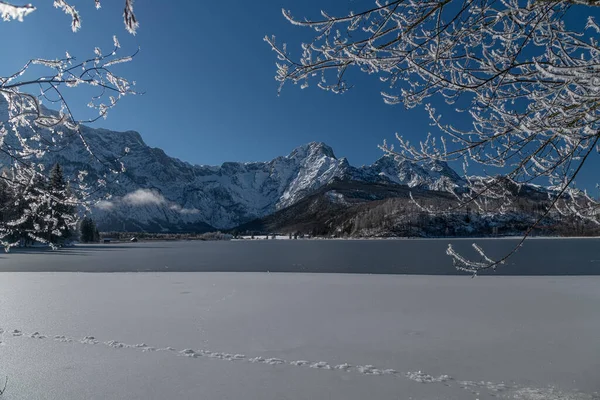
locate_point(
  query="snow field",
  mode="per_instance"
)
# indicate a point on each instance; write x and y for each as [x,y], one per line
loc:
[297,336]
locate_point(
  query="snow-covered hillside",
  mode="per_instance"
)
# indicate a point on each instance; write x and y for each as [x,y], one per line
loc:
[159,192]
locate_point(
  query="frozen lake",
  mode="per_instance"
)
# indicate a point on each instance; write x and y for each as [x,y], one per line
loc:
[411,256]
[265,336]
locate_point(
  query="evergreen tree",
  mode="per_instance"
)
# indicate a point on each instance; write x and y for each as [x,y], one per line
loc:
[38,209]
[6,203]
[61,216]
[88,230]
[27,214]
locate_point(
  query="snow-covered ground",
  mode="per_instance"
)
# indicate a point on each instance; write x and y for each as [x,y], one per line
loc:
[270,336]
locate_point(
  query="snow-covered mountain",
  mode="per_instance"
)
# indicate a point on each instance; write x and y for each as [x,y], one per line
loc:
[164,191]
[158,192]
[156,187]
[435,175]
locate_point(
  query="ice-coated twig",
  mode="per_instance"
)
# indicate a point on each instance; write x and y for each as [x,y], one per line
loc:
[33,207]
[4,387]
[521,75]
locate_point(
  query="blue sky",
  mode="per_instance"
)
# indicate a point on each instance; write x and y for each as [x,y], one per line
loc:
[210,94]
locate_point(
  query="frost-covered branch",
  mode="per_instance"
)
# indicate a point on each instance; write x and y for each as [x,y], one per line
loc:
[527,80]
[36,121]
[4,387]
[9,11]
[29,132]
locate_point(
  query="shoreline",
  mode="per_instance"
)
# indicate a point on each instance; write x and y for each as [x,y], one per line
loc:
[399,238]
[421,238]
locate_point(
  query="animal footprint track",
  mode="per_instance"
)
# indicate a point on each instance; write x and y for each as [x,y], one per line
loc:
[300,363]
[89,340]
[274,361]
[494,389]
[320,365]
[369,370]
[115,344]
[190,353]
[343,367]
[422,377]
[167,349]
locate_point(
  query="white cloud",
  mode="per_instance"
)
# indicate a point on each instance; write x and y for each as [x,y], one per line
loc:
[105,205]
[144,197]
[181,210]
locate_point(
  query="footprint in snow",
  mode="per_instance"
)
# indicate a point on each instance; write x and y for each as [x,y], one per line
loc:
[369,370]
[343,367]
[63,339]
[320,365]
[300,363]
[422,377]
[274,361]
[189,353]
[167,349]
[115,344]
[417,376]
[89,340]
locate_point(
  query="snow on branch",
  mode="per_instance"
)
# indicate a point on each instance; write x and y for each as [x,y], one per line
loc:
[12,12]
[9,11]
[37,205]
[522,79]
[129,18]
[71,11]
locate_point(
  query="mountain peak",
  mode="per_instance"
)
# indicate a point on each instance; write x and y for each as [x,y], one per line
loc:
[433,175]
[313,149]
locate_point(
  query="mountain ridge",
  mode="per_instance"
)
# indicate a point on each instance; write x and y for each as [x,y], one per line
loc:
[160,192]
[232,193]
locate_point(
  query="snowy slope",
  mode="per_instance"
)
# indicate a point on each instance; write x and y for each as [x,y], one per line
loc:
[158,192]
